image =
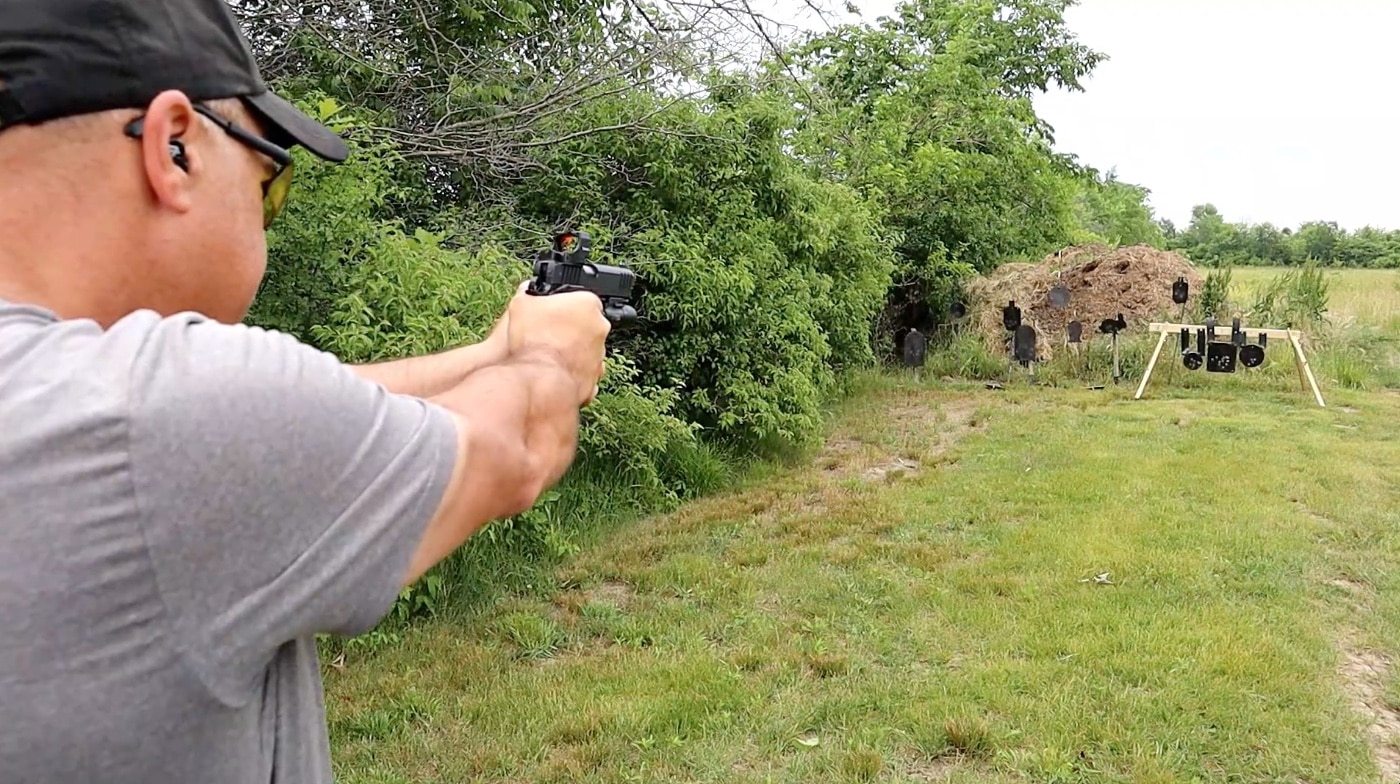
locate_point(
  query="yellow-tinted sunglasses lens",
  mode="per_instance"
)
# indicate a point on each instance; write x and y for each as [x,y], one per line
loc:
[275,194]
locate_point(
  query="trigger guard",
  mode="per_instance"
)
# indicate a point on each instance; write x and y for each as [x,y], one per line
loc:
[619,313]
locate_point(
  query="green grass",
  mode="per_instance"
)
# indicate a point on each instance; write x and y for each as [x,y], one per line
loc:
[922,600]
[1357,296]
[919,604]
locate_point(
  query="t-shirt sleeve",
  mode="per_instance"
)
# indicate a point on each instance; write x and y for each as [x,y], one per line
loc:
[281,494]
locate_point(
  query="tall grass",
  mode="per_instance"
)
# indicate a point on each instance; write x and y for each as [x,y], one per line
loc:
[1355,295]
[1215,294]
[1296,298]
[1351,319]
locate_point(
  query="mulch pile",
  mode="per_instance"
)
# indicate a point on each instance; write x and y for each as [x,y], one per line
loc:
[1102,281]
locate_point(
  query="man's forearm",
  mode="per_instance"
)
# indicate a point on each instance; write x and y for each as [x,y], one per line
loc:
[540,427]
[433,374]
[518,422]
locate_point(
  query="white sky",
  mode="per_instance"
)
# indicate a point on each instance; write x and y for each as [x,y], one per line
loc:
[1272,110]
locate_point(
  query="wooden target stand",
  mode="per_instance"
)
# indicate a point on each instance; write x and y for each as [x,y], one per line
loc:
[1305,374]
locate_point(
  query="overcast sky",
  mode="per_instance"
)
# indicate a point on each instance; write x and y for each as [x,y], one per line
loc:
[1273,110]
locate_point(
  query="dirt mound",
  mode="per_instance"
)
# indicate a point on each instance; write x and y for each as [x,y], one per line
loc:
[1102,281]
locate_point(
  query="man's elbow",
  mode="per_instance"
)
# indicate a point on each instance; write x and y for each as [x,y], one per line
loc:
[512,447]
[492,479]
[501,476]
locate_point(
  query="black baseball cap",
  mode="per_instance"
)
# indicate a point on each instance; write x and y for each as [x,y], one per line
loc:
[60,58]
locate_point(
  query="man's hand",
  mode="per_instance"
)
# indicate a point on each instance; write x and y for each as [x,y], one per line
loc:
[517,419]
[568,329]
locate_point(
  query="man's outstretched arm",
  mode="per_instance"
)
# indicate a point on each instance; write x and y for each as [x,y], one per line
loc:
[517,420]
[434,374]
[282,495]
[517,426]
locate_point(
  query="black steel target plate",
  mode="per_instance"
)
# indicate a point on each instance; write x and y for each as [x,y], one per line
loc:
[1221,356]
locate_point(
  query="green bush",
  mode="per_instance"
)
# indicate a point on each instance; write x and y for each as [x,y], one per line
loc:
[1215,295]
[759,283]
[335,217]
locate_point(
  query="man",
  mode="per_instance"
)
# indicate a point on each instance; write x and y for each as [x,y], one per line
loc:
[185,502]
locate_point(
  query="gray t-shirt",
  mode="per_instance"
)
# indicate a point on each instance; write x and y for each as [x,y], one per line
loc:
[184,505]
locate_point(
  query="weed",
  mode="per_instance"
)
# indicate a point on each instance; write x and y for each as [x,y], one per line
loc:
[1215,294]
[534,636]
[1296,298]
[862,765]
[969,737]
[964,355]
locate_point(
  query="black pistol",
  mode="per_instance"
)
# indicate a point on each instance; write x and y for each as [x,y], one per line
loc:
[565,267]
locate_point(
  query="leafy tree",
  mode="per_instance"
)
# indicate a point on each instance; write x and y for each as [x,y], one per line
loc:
[1318,241]
[1169,230]
[1368,247]
[928,114]
[1116,213]
[1212,240]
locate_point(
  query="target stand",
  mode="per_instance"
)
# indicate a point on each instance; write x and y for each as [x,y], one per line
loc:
[1206,333]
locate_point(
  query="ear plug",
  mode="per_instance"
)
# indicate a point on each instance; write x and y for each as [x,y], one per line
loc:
[177,154]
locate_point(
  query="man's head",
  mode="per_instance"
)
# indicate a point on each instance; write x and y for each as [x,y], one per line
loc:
[145,127]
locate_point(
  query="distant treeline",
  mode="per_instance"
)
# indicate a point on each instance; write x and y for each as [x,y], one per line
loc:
[1213,241]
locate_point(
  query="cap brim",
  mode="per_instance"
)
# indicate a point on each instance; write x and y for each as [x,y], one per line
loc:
[297,127]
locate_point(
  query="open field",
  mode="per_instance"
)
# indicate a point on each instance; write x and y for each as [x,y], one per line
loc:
[1030,585]
[1357,296]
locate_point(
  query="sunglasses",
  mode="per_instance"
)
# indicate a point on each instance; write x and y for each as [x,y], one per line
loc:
[275,188]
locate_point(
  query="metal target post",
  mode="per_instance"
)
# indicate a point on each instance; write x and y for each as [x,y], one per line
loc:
[915,351]
[1112,327]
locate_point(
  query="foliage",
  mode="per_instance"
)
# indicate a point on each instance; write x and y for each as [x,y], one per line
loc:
[1215,295]
[760,283]
[1210,239]
[1295,299]
[333,216]
[1112,212]
[408,296]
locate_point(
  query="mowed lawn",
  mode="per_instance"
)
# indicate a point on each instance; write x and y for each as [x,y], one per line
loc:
[1027,585]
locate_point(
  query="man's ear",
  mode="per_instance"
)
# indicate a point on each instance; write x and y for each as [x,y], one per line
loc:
[170,153]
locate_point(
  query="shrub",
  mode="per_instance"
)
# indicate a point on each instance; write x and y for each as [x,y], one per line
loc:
[1296,298]
[1215,294]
